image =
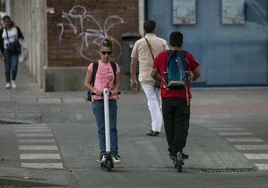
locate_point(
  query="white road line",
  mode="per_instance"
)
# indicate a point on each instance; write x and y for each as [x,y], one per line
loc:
[263,167]
[40,156]
[36,141]
[30,125]
[35,135]
[28,147]
[216,125]
[244,139]
[225,129]
[233,133]
[29,128]
[251,147]
[33,131]
[256,156]
[43,165]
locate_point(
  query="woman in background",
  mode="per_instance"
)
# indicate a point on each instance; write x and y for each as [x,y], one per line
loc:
[8,34]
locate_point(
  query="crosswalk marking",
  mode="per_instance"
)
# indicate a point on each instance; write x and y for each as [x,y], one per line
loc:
[36,140]
[29,125]
[225,129]
[33,139]
[216,125]
[32,131]
[233,133]
[28,147]
[29,128]
[251,147]
[40,156]
[43,165]
[263,167]
[244,139]
[35,135]
[256,156]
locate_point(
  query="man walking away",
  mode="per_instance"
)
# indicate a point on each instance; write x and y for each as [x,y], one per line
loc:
[176,93]
[144,52]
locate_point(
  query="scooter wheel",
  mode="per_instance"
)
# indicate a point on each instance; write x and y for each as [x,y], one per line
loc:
[175,165]
[109,165]
[179,166]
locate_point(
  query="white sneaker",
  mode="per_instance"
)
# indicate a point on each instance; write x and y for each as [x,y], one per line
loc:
[8,85]
[103,159]
[116,159]
[13,84]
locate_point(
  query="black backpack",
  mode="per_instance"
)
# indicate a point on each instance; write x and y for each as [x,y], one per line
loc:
[95,68]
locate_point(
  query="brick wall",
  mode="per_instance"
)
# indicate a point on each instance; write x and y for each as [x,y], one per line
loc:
[71,29]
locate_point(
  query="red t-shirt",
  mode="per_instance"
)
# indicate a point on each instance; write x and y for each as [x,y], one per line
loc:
[159,64]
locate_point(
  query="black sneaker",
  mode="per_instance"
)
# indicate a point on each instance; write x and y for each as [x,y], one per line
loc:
[185,156]
[173,157]
[152,133]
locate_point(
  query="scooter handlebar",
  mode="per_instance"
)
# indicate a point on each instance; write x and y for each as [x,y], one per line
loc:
[110,93]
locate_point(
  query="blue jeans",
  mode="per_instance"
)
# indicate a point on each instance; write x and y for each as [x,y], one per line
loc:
[98,111]
[11,64]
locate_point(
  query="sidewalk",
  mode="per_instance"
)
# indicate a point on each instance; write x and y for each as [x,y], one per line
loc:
[207,150]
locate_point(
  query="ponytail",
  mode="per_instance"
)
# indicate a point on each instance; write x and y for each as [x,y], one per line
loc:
[107,42]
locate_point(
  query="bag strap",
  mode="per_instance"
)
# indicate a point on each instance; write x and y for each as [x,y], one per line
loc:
[149,47]
[7,35]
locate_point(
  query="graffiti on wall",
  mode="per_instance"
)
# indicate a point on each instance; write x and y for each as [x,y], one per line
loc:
[88,35]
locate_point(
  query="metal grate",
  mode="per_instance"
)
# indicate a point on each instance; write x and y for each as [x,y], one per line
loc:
[9,103]
[243,170]
[10,122]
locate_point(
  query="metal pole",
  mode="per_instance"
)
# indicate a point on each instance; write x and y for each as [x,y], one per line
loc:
[107,119]
[8,7]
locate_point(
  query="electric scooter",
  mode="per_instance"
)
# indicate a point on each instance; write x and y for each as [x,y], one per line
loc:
[108,163]
[178,162]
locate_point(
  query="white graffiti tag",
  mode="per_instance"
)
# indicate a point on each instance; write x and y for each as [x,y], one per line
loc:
[86,35]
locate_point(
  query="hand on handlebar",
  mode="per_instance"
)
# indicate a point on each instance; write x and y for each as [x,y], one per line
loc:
[114,92]
[98,93]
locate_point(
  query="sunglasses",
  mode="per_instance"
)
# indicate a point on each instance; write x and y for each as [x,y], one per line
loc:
[106,52]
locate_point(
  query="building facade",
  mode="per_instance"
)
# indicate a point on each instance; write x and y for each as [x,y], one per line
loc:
[228,37]
[63,36]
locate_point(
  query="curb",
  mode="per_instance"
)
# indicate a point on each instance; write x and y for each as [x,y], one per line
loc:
[20,182]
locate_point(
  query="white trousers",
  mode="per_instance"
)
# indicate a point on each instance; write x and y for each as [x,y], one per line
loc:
[154,104]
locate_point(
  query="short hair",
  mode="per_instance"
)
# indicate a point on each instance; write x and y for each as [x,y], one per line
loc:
[107,42]
[149,26]
[176,39]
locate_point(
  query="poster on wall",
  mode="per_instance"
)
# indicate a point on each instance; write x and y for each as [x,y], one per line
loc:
[233,11]
[184,11]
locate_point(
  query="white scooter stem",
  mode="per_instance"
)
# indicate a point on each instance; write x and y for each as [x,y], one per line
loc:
[107,119]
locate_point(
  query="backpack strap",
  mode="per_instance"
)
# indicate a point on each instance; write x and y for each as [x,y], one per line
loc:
[94,72]
[170,54]
[95,69]
[182,55]
[113,64]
